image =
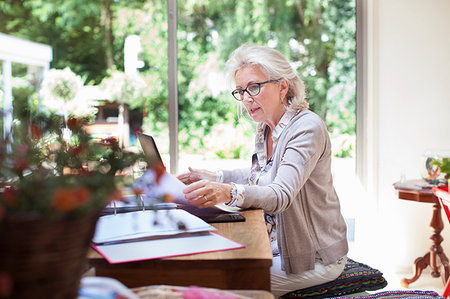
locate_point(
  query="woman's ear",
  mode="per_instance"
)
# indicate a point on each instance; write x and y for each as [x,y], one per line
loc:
[284,87]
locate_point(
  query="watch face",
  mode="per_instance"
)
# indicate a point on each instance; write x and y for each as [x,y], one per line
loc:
[234,192]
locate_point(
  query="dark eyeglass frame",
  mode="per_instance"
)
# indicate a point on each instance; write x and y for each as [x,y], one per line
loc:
[238,93]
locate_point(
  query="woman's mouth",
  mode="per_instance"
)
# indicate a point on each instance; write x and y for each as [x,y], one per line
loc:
[253,110]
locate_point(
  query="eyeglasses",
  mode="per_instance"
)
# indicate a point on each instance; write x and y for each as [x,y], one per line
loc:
[253,89]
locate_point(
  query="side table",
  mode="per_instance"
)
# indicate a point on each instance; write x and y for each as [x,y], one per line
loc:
[418,190]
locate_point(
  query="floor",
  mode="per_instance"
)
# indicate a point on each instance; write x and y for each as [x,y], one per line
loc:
[425,282]
[394,276]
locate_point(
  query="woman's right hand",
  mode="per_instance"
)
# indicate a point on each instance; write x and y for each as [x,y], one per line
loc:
[195,175]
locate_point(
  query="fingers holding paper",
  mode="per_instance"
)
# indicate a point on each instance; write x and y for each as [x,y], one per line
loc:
[204,193]
[195,175]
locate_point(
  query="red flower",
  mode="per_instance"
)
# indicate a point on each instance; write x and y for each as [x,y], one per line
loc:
[160,169]
[138,191]
[111,140]
[68,199]
[36,132]
[116,196]
[168,198]
[75,150]
[85,171]
[20,164]
[74,123]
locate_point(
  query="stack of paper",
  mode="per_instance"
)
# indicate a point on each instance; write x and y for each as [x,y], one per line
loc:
[147,224]
[154,234]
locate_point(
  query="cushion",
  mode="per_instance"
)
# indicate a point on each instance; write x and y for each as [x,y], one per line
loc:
[356,277]
[400,294]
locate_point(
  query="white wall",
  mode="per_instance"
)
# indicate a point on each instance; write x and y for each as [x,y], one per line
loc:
[410,46]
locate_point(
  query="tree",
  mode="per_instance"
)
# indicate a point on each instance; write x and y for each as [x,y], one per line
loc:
[88,36]
[79,31]
[317,36]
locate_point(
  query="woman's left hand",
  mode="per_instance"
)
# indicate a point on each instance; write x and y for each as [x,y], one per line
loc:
[195,175]
[204,193]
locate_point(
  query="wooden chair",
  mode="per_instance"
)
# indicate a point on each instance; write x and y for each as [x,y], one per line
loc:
[444,198]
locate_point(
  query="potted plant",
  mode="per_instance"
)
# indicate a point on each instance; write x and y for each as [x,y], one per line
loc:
[54,181]
[444,166]
[51,192]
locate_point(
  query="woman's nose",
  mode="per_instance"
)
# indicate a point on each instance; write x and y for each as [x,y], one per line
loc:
[247,97]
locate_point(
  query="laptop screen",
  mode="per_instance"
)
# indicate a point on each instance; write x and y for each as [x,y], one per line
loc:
[151,152]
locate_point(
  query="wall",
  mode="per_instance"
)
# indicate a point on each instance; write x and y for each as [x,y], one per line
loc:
[409,51]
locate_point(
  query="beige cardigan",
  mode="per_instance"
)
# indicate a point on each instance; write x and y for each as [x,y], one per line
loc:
[301,195]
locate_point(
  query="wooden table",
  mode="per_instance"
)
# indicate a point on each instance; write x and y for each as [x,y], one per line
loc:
[247,268]
[418,190]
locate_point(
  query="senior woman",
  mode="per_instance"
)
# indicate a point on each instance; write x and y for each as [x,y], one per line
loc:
[290,176]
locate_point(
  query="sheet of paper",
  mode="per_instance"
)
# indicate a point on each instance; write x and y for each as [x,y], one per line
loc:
[169,184]
[153,249]
[140,224]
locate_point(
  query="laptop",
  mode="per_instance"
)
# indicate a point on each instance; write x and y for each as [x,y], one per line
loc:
[210,215]
[151,152]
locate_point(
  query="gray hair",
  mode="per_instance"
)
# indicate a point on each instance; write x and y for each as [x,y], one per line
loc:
[274,65]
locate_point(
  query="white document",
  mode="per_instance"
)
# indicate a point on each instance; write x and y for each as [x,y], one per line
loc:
[146,224]
[169,184]
[169,247]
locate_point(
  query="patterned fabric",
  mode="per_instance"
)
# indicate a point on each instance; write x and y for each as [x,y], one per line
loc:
[261,164]
[356,277]
[271,230]
[400,294]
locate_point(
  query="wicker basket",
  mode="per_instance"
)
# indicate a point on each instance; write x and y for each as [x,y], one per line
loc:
[43,258]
